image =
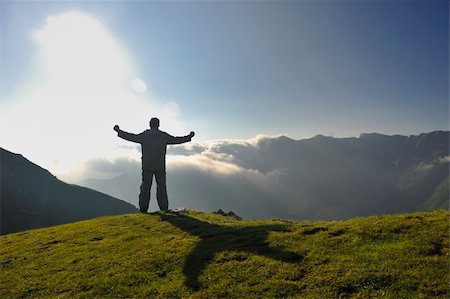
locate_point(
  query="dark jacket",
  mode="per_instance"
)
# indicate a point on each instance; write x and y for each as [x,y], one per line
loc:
[154,144]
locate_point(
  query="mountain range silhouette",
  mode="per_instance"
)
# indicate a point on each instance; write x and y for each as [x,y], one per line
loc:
[318,178]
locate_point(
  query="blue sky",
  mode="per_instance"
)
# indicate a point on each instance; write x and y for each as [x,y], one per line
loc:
[239,69]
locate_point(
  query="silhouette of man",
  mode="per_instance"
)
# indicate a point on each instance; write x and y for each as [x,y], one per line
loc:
[154,144]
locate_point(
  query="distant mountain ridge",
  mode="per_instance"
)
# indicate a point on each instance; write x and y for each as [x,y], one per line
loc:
[317,178]
[374,173]
[31,197]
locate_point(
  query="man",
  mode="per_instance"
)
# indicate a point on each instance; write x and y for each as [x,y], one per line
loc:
[154,144]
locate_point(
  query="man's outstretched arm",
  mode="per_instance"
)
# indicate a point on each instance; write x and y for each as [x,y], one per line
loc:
[182,139]
[127,136]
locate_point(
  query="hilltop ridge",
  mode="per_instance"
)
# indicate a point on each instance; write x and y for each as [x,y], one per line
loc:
[205,255]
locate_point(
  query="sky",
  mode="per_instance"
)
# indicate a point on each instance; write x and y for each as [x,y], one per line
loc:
[70,71]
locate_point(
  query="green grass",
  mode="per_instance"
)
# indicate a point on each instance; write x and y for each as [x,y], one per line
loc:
[439,198]
[203,255]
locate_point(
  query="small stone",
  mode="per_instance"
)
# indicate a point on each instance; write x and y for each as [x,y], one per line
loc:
[161,273]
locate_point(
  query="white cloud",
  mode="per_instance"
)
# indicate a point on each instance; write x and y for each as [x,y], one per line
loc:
[210,176]
[269,177]
[425,167]
[445,159]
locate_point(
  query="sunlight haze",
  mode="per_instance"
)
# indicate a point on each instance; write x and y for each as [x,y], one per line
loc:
[70,71]
[87,86]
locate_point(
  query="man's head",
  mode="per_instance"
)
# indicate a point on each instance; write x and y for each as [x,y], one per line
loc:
[154,123]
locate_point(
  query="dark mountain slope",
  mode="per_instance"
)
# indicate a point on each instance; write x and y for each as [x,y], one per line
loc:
[31,197]
[372,174]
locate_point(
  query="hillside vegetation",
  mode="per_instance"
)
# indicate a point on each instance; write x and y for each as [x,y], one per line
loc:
[207,255]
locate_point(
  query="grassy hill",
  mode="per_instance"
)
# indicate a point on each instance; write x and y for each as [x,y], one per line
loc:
[439,198]
[207,255]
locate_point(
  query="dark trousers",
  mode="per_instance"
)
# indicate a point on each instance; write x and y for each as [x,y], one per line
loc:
[161,192]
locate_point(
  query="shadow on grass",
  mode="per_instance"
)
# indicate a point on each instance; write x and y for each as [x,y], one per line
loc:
[215,238]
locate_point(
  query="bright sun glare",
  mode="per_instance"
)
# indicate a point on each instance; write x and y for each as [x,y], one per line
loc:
[78,51]
[85,84]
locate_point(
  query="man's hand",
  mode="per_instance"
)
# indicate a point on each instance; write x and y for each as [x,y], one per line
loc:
[116,128]
[192,134]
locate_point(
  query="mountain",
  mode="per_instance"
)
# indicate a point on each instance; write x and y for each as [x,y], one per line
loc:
[372,174]
[319,178]
[203,255]
[31,197]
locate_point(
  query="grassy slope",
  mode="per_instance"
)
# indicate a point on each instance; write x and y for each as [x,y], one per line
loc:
[439,198]
[207,255]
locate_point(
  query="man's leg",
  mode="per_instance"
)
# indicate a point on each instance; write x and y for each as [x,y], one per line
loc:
[161,192]
[144,196]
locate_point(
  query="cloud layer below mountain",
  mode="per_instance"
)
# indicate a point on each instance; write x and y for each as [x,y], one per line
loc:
[267,177]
